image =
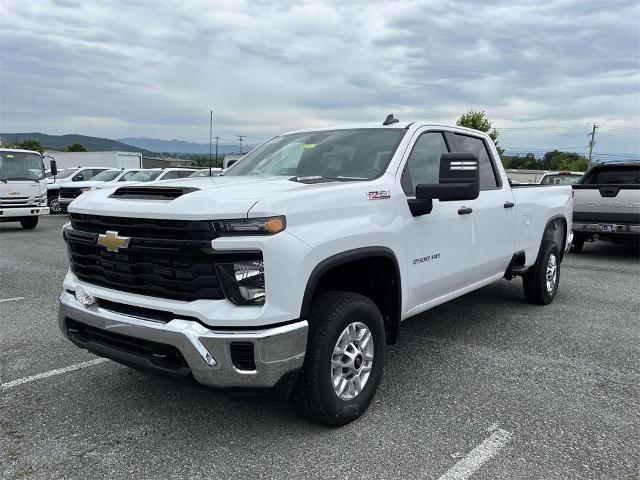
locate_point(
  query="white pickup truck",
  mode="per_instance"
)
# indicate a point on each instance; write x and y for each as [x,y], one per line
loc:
[295,268]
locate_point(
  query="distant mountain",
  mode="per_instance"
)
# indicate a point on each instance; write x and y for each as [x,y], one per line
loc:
[178,146]
[60,142]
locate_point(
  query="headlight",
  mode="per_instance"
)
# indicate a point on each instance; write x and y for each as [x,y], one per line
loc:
[243,281]
[250,226]
[42,200]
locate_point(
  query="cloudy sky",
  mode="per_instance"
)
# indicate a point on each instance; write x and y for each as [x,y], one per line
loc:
[543,71]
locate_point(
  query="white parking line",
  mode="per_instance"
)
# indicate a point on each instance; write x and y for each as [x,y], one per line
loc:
[478,456]
[14,299]
[51,373]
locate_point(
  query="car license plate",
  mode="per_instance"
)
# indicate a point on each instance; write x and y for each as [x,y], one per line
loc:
[605,227]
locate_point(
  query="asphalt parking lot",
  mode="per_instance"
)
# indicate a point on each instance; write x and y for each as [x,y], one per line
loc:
[561,383]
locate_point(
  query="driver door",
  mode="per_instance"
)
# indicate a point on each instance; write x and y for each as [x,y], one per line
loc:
[439,244]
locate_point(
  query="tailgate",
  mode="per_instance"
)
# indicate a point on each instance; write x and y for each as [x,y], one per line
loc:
[607,203]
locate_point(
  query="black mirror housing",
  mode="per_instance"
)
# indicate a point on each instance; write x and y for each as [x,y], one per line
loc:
[459,179]
[54,168]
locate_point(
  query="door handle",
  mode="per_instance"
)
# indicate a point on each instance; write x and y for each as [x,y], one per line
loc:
[465,210]
[509,204]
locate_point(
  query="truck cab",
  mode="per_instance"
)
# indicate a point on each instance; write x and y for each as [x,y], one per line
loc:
[23,187]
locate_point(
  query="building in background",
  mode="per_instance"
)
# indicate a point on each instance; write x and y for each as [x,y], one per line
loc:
[97,159]
[165,162]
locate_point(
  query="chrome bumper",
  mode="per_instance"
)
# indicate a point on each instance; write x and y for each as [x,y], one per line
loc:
[277,350]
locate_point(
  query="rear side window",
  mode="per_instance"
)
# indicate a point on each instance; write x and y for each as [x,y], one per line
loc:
[185,173]
[619,175]
[423,164]
[467,144]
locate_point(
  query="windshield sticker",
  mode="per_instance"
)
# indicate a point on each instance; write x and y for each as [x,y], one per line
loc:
[309,145]
[9,155]
[379,195]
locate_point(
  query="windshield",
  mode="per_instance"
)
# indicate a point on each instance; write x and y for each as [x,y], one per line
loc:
[64,173]
[145,176]
[21,166]
[106,176]
[560,179]
[349,154]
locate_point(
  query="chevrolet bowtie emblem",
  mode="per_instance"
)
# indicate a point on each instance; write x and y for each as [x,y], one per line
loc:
[112,242]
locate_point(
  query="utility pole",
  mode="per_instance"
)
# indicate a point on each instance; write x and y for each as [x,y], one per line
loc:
[210,137]
[217,138]
[592,142]
[241,137]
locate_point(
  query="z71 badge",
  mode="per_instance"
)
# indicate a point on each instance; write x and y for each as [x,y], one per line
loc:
[379,195]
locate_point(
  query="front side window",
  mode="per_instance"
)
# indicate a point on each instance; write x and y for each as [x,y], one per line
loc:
[21,166]
[106,176]
[339,155]
[146,176]
[185,173]
[467,144]
[423,164]
[170,175]
[127,176]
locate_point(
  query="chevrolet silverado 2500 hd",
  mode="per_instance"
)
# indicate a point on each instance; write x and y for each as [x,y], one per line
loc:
[294,268]
[606,204]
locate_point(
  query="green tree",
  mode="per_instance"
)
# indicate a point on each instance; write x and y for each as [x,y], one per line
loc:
[29,145]
[559,160]
[479,121]
[76,147]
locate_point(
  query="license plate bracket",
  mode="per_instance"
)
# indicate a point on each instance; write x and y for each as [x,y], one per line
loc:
[607,227]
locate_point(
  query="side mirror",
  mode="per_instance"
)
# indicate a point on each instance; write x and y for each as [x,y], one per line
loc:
[53,167]
[459,180]
[79,177]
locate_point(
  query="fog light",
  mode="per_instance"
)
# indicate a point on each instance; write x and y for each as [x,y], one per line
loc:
[243,281]
[84,297]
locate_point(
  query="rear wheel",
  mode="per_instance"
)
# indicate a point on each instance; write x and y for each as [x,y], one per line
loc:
[541,281]
[29,223]
[344,359]
[54,205]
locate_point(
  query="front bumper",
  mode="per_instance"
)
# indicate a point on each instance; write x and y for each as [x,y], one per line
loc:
[27,211]
[278,351]
[622,230]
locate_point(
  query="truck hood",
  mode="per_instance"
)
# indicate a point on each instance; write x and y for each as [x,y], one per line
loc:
[215,197]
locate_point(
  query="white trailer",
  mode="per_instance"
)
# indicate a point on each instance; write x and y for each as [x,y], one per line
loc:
[97,159]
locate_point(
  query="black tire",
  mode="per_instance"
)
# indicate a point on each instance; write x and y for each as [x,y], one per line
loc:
[535,280]
[314,394]
[577,244]
[54,205]
[29,223]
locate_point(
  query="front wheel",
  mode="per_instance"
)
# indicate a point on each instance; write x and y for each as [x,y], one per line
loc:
[54,205]
[344,359]
[29,223]
[541,281]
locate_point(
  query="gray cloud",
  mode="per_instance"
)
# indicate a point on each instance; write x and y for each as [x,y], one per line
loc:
[155,68]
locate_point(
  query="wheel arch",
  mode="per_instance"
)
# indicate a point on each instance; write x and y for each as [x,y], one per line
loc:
[352,262]
[553,232]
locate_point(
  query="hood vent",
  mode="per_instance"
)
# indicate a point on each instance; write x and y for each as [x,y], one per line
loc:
[152,193]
